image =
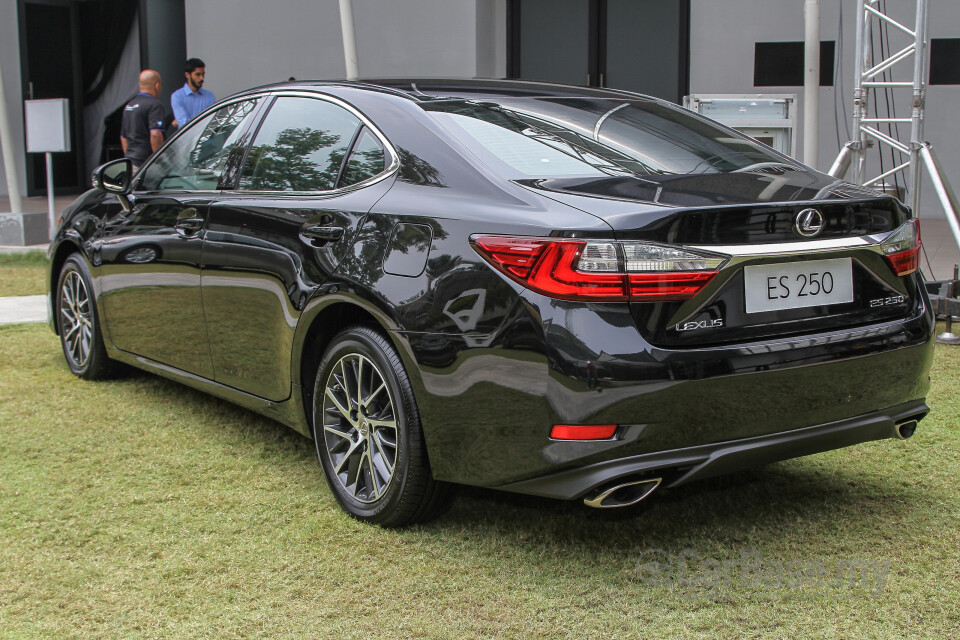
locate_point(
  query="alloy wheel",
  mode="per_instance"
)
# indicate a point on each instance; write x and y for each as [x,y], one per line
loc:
[76,318]
[360,427]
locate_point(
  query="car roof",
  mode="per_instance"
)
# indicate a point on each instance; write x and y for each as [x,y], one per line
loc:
[428,89]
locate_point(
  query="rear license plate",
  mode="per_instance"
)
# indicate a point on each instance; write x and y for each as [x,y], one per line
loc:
[794,285]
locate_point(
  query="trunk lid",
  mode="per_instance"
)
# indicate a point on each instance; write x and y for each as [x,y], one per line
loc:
[775,282]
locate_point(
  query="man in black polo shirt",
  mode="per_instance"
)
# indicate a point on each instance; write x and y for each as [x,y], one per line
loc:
[141,132]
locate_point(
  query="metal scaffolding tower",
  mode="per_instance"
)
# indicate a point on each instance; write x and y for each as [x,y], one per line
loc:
[870,77]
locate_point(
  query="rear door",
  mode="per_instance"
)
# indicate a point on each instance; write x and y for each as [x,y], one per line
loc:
[314,170]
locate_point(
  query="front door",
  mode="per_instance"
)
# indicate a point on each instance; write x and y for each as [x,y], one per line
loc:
[150,274]
[159,241]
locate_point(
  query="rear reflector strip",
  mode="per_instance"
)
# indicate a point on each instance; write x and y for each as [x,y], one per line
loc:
[672,286]
[583,431]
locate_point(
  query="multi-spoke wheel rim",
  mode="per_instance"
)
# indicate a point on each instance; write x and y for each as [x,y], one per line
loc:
[76,319]
[360,427]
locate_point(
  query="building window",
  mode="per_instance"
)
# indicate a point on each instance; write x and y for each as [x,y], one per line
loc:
[780,64]
[945,61]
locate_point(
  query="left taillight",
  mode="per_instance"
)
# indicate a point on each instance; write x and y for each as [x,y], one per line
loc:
[600,271]
[902,248]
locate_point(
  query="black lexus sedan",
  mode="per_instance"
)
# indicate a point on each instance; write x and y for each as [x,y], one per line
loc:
[575,293]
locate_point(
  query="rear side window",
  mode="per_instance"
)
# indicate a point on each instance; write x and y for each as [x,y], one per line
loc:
[366,160]
[301,146]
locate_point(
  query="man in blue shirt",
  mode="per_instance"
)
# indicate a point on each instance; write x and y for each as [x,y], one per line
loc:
[191,98]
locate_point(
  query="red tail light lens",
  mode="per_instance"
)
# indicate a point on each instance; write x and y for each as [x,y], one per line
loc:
[583,431]
[902,248]
[557,276]
[600,271]
[513,255]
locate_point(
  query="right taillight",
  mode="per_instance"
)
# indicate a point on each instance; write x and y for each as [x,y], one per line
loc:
[600,271]
[902,248]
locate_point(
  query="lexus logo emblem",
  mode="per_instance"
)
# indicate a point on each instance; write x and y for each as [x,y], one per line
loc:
[809,223]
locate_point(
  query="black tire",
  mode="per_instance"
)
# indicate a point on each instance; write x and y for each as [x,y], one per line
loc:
[368,435]
[78,323]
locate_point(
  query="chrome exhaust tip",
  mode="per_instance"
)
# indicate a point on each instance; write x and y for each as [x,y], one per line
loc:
[623,494]
[906,428]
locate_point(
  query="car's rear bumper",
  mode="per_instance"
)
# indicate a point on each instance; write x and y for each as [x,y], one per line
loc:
[680,466]
[489,404]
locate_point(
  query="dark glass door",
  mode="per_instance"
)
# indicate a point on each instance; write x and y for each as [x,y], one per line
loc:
[637,45]
[646,47]
[555,41]
[50,68]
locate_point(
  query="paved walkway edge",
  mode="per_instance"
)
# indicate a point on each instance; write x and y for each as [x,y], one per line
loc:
[17,309]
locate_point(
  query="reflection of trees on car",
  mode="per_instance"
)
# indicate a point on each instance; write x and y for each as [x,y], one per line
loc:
[287,165]
[418,171]
[363,164]
[377,239]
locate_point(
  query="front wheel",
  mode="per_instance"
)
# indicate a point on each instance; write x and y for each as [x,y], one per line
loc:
[368,435]
[78,323]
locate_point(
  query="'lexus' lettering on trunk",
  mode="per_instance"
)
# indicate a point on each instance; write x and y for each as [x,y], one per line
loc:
[700,324]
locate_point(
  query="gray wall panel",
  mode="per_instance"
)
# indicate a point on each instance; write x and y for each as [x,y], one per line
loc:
[426,38]
[253,43]
[491,38]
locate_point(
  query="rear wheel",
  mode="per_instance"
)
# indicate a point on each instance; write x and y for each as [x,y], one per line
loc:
[368,435]
[78,323]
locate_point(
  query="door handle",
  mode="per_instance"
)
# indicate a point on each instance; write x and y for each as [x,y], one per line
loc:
[189,221]
[189,224]
[322,233]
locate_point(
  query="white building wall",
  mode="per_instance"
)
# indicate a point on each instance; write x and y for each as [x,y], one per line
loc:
[722,38]
[272,41]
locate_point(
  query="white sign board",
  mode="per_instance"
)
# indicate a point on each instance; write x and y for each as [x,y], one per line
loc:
[767,117]
[48,125]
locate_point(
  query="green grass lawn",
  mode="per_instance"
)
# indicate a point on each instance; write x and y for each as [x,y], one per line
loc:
[23,274]
[137,508]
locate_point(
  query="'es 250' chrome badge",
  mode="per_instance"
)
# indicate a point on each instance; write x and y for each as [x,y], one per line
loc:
[700,324]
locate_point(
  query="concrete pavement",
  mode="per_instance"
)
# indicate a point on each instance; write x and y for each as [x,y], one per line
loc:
[23,309]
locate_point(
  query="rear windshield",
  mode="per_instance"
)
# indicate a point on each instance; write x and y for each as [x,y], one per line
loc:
[572,137]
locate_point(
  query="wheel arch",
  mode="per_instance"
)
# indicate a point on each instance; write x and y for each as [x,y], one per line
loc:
[67,247]
[324,321]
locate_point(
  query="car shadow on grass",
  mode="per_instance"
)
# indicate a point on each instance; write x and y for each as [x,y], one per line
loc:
[786,505]
[790,504]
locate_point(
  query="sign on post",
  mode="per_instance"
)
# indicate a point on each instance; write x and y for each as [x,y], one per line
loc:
[48,131]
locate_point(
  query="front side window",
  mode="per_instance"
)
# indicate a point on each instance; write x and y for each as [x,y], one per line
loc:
[196,159]
[300,146]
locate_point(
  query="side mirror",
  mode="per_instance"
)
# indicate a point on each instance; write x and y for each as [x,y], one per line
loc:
[114,176]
